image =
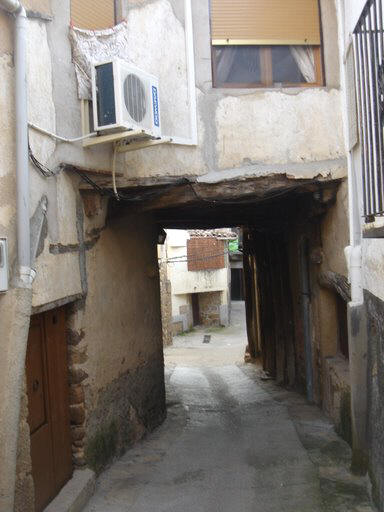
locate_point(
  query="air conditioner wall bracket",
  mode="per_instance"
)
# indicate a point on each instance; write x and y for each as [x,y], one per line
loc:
[131,145]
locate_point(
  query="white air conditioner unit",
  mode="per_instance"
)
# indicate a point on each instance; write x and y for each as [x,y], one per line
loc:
[125,98]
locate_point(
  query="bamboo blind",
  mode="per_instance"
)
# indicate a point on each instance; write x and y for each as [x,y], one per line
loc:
[265,22]
[93,14]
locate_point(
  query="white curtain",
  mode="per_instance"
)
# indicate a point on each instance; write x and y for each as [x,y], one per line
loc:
[305,61]
[225,59]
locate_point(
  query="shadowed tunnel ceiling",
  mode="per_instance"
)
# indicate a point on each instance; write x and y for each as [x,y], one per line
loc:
[267,203]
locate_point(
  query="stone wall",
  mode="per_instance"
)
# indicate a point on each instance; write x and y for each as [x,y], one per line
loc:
[166,304]
[24,491]
[77,355]
[177,328]
[209,305]
[337,394]
[127,408]
[375,326]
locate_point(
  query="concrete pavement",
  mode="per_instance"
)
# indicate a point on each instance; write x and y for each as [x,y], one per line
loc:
[231,443]
[227,345]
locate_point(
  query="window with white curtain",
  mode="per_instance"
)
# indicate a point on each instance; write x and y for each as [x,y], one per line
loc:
[266,43]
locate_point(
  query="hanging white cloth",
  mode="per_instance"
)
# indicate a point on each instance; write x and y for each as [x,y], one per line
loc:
[305,61]
[91,46]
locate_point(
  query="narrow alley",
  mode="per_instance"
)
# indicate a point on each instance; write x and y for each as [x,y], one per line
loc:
[191,255]
[231,442]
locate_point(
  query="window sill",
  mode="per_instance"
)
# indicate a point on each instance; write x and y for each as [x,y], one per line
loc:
[263,89]
[285,85]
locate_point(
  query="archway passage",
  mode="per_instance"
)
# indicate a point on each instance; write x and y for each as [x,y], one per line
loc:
[233,438]
[276,214]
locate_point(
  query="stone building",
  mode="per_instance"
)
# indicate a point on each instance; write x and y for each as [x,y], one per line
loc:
[258,143]
[198,273]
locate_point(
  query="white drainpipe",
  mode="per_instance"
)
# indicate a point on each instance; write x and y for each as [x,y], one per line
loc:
[10,6]
[353,251]
[21,111]
[19,299]
[22,171]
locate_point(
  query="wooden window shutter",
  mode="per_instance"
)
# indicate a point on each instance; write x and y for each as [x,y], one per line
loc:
[93,14]
[265,22]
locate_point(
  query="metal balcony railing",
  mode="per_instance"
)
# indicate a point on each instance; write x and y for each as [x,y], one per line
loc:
[369,69]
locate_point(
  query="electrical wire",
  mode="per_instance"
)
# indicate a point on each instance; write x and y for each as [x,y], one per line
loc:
[114,172]
[48,173]
[45,171]
[150,194]
[185,256]
[186,260]
[87,179]
[58,137]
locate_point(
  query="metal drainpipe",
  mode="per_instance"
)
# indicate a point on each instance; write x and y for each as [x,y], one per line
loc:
[22,171]
[306,312]
[10,6]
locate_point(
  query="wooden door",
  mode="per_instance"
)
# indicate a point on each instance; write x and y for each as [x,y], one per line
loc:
[48,404]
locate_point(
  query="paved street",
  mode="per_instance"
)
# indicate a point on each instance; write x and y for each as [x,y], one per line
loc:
[231,442]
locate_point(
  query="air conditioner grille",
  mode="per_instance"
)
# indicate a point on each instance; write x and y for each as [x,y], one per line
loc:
[135,97]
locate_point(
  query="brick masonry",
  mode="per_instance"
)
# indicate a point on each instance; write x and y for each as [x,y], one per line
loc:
[205,254]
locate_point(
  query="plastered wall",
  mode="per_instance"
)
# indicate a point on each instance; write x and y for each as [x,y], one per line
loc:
[126,315]
[121,335]
[244,129]
[239,131]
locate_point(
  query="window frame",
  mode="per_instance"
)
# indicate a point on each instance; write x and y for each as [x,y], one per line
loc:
[266,66]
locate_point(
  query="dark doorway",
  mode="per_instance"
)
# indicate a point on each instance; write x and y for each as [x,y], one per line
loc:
[48,405]
[237,284]
[195,309]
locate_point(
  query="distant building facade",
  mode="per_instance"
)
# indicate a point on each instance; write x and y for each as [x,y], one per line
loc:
[199,276]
